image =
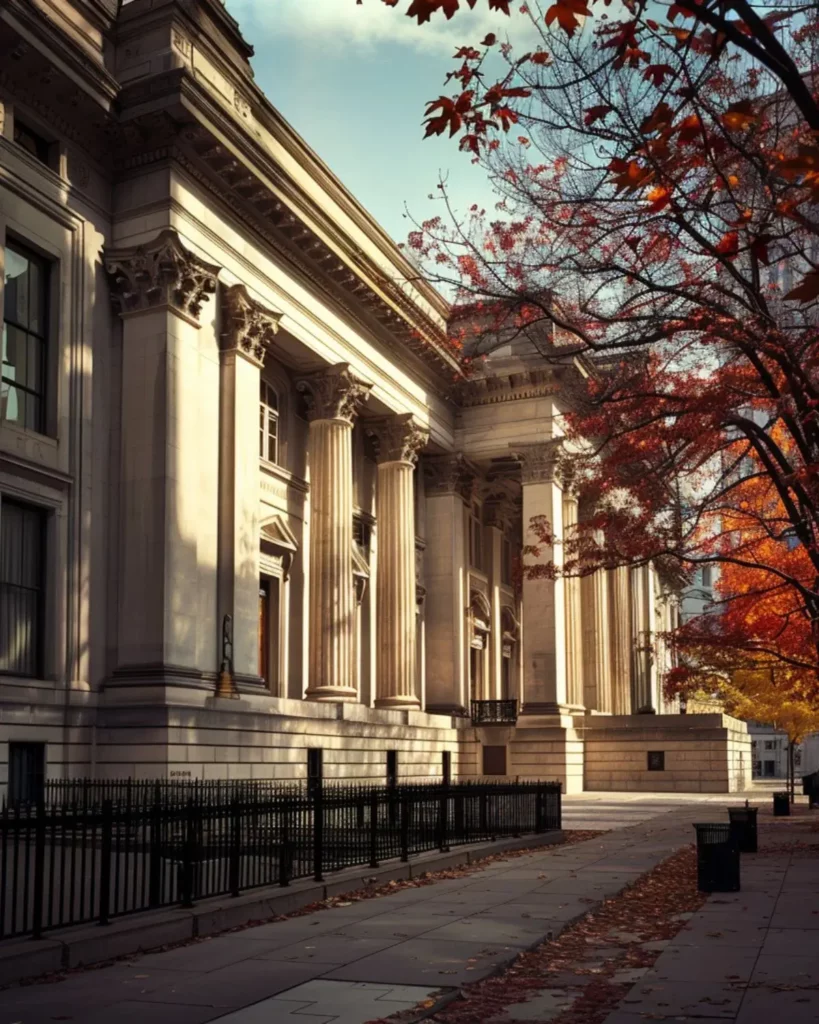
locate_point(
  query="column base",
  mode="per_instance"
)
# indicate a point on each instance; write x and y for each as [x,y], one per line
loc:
[399,703]
[332,695]
[546,707]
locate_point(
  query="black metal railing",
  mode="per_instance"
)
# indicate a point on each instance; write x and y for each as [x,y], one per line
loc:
[93,851]
[494,712]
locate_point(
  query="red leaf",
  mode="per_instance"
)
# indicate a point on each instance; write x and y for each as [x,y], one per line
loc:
[657,73]
[759,247]
[595,113]
[490,40]
[807,290]
[568,14]
[739,115]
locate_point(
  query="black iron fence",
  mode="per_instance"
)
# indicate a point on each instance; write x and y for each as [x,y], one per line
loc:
[93,851]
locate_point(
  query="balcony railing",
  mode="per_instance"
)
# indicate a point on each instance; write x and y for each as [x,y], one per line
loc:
[494,712]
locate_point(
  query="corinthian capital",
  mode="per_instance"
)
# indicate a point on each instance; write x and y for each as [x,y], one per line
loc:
[161,273]
[540,463]
[247,326]
[450,474]
[398,438]
[334,394]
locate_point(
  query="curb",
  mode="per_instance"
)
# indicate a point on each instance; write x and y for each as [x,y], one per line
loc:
[84,945]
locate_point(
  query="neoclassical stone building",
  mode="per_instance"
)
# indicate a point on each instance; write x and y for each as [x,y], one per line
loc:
[254,522]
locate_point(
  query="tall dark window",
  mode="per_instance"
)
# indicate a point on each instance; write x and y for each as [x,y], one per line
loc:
[26,772]
[22,541]
[392,768]
[22,385]
[446,766]
[315,768]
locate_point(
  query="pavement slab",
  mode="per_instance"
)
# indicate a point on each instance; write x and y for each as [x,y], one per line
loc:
[410,943]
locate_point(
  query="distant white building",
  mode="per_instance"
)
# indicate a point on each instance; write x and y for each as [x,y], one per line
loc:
[770,753]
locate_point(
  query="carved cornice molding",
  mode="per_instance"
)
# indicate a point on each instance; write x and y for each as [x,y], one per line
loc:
[398,438]
[248,327]
[508,387]
[334,394]
[162,273]
[540,462]
[450,474]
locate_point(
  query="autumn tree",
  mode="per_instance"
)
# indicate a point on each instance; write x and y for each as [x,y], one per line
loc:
[658,180]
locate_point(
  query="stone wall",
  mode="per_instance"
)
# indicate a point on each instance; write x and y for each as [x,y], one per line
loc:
[700,753]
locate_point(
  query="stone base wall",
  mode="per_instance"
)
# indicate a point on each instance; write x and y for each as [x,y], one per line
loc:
[546,748]
[700,753]
[253,738]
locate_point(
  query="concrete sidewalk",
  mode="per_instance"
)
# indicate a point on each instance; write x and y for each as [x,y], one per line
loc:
[372,958]
[751,957]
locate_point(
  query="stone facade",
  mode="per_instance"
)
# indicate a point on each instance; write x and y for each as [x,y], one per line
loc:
[249,506]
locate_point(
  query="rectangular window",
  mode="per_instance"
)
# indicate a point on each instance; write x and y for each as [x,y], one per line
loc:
[506,561]
[475,537]
[769,744]
[446,766]
[268,423]
[26,772]
[32,142]
[22,543]
[315,768]
[707,577]
[494,760]
[392,768]
[25,316]
[656,760]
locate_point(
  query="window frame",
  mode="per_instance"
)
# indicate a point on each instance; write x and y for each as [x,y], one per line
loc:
[42,336]
[38,657]
[17,790]
[269,413]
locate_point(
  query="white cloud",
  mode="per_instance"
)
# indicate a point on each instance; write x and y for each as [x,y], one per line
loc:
[344,22]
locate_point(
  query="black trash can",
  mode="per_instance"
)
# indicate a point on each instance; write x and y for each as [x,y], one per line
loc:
[781,805]
[717,858]
[810,787]
[743,827]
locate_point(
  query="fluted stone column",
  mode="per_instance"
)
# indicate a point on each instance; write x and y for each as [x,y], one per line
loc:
[543,609]
[574,622]
[334,397]
[620,616]
[596,642]
[399,441]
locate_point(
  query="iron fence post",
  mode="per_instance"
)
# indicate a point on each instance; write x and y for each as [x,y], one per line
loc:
[155,851]
[374,829]
[405,826]
[443,817]
[39,871]
[318,831]
[539,809]
[106,845]
[235,846]
[188,856]
[285,869]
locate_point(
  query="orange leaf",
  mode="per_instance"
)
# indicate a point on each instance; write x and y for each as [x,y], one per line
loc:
[728,245]
[659,197]
[739,115]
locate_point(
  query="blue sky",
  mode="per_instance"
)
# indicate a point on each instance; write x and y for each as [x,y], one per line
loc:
[353,80]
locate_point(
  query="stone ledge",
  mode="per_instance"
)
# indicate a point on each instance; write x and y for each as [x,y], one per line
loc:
[89,944]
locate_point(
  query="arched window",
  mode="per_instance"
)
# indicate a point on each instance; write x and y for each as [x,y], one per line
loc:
[480,617]
[268,423]
[509,631]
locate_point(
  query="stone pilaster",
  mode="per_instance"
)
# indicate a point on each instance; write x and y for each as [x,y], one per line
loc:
[334,397]
[620,622]
[167,604]
[641,639]
[399,439]
[543,610]
[574,622]
[247,332]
